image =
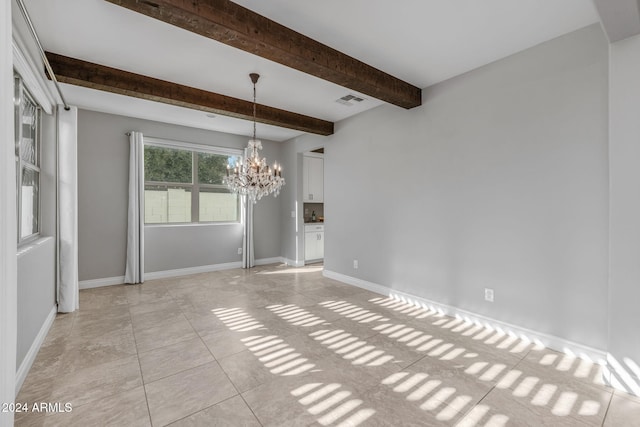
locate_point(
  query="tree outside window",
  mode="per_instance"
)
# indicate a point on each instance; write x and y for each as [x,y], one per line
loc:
[185,186]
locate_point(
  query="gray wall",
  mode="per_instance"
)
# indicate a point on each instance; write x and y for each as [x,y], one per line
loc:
[36,292]
[499,180]
[624,293]
[102,212]
[36,261]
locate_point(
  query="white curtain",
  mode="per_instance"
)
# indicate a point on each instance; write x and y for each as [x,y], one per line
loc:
[68,292]
[134,272]
[248,259]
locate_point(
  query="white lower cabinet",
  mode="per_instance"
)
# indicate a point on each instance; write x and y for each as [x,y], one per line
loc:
[313,242]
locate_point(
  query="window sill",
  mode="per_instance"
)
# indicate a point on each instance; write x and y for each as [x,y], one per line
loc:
[32,245]
[192,224]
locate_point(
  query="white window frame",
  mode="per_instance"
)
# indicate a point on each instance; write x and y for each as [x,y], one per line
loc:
[194,186]
[20,93]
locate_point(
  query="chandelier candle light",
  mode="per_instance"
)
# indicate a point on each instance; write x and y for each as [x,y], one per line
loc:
[251,176]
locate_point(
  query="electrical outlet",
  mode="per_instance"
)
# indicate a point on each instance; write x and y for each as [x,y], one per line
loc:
[488,294]
[355,264]
[239,251]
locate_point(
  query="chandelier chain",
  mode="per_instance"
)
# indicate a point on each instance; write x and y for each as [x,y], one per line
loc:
[254,110]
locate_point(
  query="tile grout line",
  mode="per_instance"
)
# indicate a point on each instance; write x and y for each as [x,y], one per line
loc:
[65,352]
[229,379]
[606,413]
[68,334]
[144,388]
[223,371]
[74,321]
[250,409]
[184,370]
[475,405]
[296,332]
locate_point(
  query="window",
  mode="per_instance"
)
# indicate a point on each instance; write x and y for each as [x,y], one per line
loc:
[27,143]
[185,186]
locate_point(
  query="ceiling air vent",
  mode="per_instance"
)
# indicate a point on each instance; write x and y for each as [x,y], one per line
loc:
[349,100]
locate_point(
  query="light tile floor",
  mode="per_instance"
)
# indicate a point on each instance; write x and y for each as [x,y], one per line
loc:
[281,346]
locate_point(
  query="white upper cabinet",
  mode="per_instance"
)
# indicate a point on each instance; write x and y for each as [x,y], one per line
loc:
[313,179]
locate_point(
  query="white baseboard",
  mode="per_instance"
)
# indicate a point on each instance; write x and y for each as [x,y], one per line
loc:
[206,268]
[550,341]
[119,280]
[191,270]
[274,260]
[98,283]
[30,357]
[293,263]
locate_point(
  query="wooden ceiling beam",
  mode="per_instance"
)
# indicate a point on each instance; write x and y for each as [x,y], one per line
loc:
[95,76]
[237,26]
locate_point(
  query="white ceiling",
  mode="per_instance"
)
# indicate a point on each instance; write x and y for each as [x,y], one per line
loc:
[420,41]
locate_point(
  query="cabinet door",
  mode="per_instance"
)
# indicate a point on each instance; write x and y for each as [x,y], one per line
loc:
[306,193]
[316,178]
[310,246]
[320,247]
[312,179]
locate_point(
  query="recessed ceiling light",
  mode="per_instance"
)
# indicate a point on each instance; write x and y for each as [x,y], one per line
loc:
[211,115]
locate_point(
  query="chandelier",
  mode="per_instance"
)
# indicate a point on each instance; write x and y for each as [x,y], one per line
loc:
[251,176]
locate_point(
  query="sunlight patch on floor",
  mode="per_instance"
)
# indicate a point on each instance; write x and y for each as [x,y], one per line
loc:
[428,393]
[329,402]
[237,320]
[351,347]
[353,311]
[271,350]
[296,316]
[407,306]
[294,270]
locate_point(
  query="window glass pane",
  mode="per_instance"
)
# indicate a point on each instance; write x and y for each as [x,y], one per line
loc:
[28,124]
[217,204]
[165,204]
[167,165]
[29,203]
[212,168]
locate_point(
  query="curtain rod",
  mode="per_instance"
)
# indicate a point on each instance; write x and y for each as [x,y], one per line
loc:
[194,146]
[23,9]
